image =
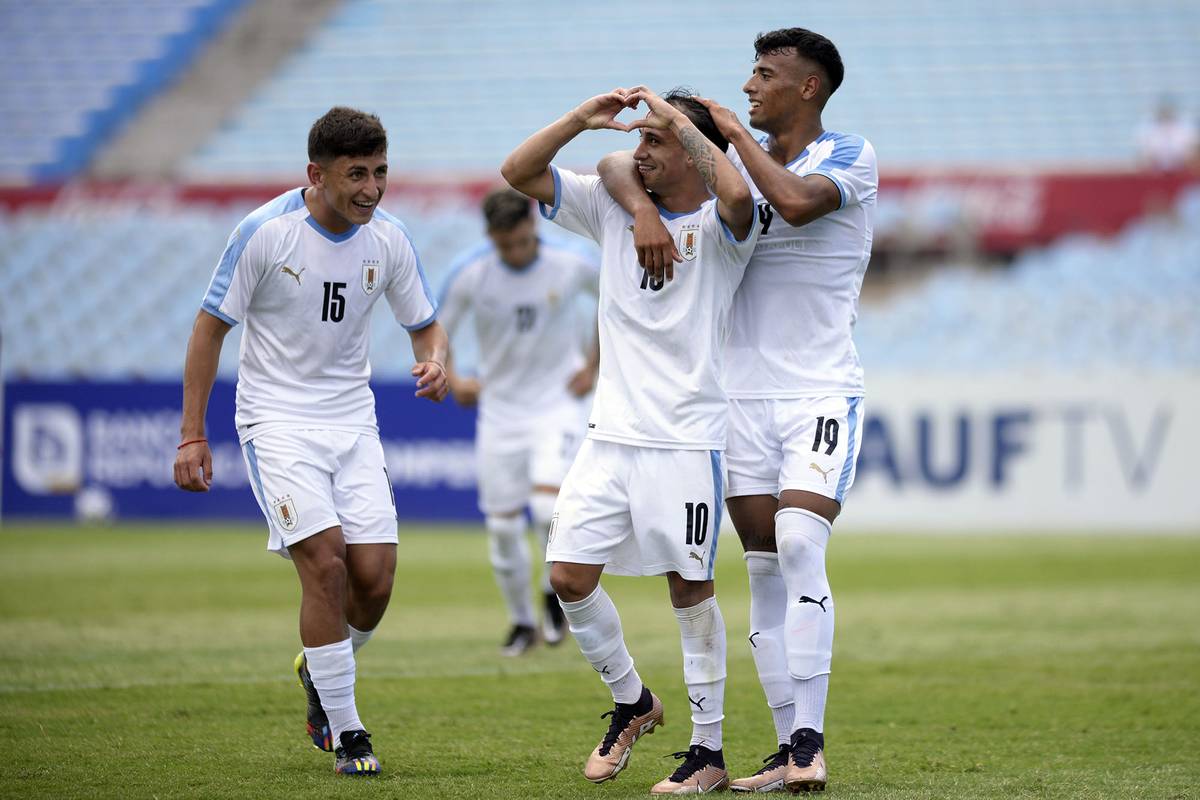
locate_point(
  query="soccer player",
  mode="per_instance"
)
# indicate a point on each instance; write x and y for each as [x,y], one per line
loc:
[644,495]
[303,272]
[532,392]
[792,373]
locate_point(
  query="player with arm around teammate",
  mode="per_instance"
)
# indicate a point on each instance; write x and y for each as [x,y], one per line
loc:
[533,391]
[644,495]
[303,273]
[792,373]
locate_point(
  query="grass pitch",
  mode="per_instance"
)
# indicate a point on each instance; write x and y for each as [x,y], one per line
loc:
[150,662]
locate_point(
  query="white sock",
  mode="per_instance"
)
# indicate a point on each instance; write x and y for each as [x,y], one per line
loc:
[596,626]
[509,553]
[332,669]
[768,608]
[802,538]
[541,508]
[359,638]
[810,703]
[702,639]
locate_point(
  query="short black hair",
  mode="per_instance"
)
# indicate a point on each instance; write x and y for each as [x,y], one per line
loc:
[685,100]
[343,131]
[505,209]
[813,46]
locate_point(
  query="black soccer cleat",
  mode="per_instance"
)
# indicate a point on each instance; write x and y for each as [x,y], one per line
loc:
[318,724]
[554,623]
[354,755]
[521,640]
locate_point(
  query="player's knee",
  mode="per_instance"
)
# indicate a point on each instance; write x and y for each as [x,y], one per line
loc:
[570,584]
[685,593]
[376,590]
[326,575]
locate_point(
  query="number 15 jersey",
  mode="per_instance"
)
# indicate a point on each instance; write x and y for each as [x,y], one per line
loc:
[660,342]
[306,296]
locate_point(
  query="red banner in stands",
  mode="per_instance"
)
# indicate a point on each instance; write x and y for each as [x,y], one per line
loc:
[918,212]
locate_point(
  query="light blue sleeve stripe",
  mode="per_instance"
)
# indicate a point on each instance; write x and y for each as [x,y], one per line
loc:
[218,288]
[836,182]
[846,151]
[252,460]
[386,217]
[718,507]
[228,320]
[729,234]
[551,213]
[851,442]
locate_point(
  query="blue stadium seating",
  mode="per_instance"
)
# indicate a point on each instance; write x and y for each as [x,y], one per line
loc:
[107,291]
[74,71]
[933,82]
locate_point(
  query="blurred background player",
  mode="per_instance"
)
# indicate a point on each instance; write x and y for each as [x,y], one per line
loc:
[535,381]
[792,374]
[304,272]
[645,492]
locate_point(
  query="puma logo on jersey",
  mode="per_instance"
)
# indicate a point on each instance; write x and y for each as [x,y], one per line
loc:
[288,271]
[752,644]
[697,556]
[824,472]
[806,599]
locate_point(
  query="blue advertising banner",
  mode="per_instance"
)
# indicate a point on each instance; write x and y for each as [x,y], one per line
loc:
[92,448]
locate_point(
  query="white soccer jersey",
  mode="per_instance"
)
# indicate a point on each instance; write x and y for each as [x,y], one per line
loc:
[794,314]
[526,322]
[660,342]
[306,296]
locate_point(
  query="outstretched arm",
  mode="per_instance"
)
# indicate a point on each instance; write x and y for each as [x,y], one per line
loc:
[527,169]
[193,459]
[655,246]
[735,204]
[799,199]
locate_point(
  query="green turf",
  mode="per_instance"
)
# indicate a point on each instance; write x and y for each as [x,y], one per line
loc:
[144,662]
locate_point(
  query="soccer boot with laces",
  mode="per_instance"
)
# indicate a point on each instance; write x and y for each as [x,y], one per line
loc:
[521,640]
[554,623]
[354,755]
[806,763]
[318,724]
[702,770]
[630,721]
[770,778]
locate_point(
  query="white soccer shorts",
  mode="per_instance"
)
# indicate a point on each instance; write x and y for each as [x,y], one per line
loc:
[308,480]
[807,443]
[640,510]
[511,461]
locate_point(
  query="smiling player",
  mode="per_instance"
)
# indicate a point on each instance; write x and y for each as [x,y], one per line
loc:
[303,272]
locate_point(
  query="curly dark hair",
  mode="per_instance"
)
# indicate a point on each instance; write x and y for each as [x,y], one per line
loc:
[809,45]
[504,209]
[345,131]
[685,100]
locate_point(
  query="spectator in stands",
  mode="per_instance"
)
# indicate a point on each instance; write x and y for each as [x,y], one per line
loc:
[1169,142]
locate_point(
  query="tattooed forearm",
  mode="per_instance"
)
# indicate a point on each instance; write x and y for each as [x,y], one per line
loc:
[697,147]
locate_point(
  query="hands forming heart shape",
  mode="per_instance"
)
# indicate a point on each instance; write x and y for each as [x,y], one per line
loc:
[601,111]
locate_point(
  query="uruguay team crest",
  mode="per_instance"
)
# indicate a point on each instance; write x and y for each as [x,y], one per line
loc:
[370,276]
[689,242]
[285,513]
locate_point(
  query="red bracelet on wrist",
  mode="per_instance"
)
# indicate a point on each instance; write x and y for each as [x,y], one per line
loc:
[190,441]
